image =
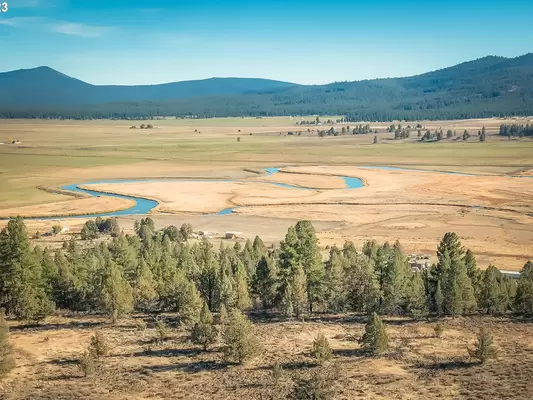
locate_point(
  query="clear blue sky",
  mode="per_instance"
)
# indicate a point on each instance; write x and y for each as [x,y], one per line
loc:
[154,41]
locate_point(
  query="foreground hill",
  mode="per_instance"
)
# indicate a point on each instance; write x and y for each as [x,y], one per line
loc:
[490,86]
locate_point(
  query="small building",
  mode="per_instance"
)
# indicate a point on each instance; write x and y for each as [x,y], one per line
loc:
[64,230]
[511,274]
[232,235]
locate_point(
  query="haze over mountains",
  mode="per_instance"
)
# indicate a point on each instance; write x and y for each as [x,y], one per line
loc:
[490,86]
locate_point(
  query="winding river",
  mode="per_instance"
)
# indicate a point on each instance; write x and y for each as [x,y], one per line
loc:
[144,206]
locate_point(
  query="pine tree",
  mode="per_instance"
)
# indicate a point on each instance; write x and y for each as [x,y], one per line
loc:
[242,301]
[360,283]
[484,349]
[523,301]
[240,343]
[189,302]
[144,292]
[299,292]
[287,307]
[204,332]
[491,296]
[395,280]
[264,282]
[321,350]
[375,340]
[117,296]
[223,315]
[310,259]
[416,295]
[209,280]
[98,347]
[23,291]
[334,293]
[227,295]
[7,362]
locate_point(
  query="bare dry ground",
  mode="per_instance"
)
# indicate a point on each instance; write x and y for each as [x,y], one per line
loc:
[418,365]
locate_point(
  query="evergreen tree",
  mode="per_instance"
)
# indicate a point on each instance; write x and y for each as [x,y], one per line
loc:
[395,281]
[264,282]
[227,295]
[375,340]
[117,297]
[299,292]
[311,260]
[7,362]
[242,300]
[524,291]
[240,342]
[360,284]
[334,294]
[23,289]
[491,296]
[144,292]
[287,307]
[204,332]
[484,349]
[208,281]
[416,295]
[321,350]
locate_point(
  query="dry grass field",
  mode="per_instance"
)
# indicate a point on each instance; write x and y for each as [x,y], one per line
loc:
[417,208]
[419,365]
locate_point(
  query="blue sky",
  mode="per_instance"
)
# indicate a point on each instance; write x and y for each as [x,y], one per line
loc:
[311,42]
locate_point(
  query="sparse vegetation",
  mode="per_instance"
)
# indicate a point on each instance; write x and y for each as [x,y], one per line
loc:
[204,332]
[375,340]
[483,350]
[240,343]
[321,350]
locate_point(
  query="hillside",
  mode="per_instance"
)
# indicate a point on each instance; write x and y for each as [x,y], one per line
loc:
[491,86]
[45,87]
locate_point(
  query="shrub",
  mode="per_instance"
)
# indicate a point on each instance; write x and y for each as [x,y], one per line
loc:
[375,340]
[240,343]
[438,329]
[99,346]
[140,325]
[7,362]
[483,349]
[320,385]
[204,331]
[87,364]
[321,350]
[162,330]
[56,229]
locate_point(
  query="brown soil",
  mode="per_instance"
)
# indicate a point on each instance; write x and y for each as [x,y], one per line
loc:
[418,365]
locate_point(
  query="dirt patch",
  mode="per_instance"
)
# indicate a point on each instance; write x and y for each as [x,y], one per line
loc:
[418,366]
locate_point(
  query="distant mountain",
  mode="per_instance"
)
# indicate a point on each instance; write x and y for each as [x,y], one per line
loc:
[490,86]
[46,87]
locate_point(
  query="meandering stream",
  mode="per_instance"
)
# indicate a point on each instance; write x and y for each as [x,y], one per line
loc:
[144,206]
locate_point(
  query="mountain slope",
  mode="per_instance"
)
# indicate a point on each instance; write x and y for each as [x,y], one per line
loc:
[490,86]
[45,87]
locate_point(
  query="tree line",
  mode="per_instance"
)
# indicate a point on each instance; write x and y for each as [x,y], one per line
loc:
[159,270]
[516,130]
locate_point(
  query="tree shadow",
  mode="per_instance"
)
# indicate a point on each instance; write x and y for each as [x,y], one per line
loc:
[449,365]
[64,361]
[191,367]
[164,353]
[52,327]
[350,352]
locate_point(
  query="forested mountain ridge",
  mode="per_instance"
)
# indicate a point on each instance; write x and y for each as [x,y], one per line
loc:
[46,87]
[490,86]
